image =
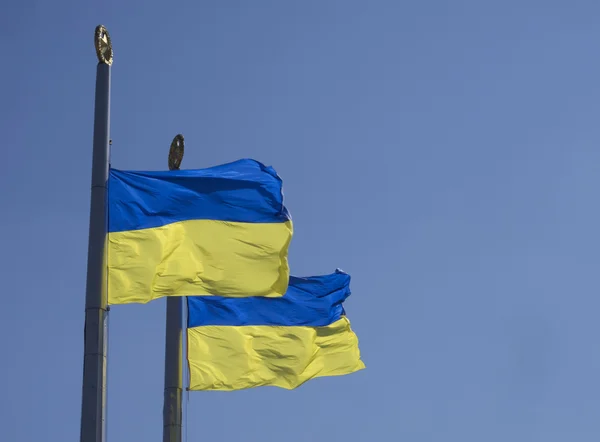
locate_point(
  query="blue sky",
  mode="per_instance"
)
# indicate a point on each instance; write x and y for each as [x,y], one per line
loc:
[445,154]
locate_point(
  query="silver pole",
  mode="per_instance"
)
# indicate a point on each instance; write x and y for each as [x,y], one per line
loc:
[172,414]
[93,404]
[173,371]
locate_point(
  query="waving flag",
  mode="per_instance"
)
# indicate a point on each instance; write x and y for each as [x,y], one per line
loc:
[218,231]
[235,344]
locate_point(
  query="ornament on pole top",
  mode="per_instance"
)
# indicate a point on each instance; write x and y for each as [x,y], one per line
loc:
[176,152]
[104,50]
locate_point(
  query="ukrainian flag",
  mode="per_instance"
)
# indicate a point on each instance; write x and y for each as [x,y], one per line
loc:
[222,230]
[235,344]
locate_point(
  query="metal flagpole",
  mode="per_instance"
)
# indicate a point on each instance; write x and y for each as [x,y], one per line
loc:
[93,402]
[172,407]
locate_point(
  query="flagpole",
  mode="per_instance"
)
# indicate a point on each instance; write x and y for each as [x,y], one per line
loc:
[93,403]
[172,408]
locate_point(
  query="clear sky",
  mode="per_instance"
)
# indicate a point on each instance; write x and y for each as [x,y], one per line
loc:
[445,154]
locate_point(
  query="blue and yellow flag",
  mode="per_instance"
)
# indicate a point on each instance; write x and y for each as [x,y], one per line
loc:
[235,344]
[222,230]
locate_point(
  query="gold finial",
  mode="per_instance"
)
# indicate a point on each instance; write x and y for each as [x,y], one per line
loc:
[176,152]
[104,50]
